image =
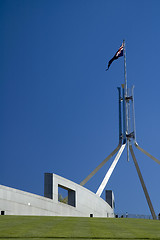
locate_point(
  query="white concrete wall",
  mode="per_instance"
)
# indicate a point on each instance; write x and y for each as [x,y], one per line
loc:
[16,202]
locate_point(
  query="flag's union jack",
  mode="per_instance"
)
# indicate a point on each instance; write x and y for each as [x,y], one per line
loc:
[118,54]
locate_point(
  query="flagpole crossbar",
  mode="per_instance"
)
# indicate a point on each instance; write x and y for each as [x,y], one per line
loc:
[130,135]
[128,98]
[127,135]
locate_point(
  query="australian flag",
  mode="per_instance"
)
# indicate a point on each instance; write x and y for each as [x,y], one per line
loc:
[118,54]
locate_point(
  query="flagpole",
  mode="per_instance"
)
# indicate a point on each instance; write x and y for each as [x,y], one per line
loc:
[126,94]
[125,71]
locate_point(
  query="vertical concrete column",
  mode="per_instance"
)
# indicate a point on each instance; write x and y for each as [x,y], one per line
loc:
[110,198]
[72,197]
[48,185]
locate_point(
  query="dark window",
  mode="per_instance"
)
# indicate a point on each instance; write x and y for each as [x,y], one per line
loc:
[66,195]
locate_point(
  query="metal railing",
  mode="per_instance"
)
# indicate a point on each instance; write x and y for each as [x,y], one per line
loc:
[129,215]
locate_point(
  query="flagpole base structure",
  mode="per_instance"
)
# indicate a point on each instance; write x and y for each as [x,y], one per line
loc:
[127,136]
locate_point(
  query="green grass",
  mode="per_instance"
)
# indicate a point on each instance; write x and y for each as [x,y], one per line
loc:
[28,227]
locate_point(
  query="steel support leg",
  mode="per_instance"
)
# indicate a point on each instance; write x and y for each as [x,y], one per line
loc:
[108,174]
[148,154]
[100,166]
[143,185]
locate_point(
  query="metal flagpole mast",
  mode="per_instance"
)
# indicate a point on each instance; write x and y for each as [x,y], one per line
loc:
[127,134]
[125,97]
[125,72]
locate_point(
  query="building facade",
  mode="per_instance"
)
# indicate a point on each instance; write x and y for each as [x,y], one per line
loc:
[80,202]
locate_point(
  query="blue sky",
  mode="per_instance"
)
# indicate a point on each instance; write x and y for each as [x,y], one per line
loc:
[58,105]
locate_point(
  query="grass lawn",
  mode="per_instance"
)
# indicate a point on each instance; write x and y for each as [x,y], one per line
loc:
[28,227]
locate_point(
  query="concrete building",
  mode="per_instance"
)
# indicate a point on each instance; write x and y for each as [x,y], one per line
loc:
[80,201]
